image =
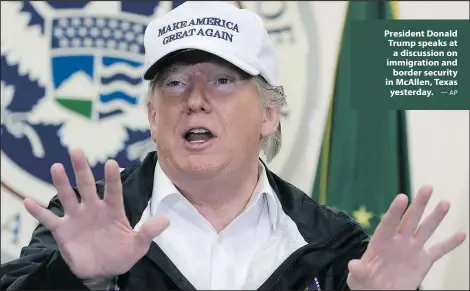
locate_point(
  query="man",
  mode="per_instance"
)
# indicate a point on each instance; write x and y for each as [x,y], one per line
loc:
[206,212]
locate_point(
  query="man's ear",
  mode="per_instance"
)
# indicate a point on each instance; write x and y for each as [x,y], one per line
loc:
[151,116]
[271,121]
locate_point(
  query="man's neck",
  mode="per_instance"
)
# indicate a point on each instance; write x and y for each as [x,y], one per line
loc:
[221,200]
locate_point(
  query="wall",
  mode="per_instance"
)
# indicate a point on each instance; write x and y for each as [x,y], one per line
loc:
[438,140]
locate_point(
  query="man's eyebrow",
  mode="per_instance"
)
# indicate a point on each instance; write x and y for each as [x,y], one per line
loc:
[165,72]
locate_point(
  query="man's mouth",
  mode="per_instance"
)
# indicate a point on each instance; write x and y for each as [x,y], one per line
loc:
[198,135]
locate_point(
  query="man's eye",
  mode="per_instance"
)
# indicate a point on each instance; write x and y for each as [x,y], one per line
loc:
[222,81]
[173,83]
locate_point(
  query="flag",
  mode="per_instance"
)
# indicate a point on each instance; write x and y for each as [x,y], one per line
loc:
[363,162]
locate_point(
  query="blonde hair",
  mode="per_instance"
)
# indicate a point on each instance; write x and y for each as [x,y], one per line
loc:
[271,97]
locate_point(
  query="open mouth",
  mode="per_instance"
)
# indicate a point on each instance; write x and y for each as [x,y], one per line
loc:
[198,135]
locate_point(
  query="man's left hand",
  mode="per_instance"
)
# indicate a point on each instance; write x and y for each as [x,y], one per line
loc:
[396,258]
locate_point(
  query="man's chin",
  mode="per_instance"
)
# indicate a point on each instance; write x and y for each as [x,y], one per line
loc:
[197,165]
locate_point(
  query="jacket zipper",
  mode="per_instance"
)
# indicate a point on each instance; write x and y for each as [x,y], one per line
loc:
[287,268]
[300,252]
[176,272]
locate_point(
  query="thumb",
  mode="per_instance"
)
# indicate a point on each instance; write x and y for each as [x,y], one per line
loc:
[358,270]
[152,228]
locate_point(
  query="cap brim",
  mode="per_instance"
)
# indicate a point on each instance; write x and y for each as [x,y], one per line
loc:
[229,57]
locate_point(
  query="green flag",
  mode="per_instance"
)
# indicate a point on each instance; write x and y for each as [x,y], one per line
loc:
[363,162]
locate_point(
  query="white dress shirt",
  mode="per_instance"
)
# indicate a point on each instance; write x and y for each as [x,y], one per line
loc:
[242,256]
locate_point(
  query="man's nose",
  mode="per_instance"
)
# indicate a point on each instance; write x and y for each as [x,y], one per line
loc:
[197,99]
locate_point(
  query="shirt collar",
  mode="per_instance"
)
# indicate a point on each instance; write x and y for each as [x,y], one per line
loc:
[263,190]
[164,191]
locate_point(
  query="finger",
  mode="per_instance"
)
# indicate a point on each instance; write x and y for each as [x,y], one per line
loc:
[43,215]
[387,227]
[84,177]
[66,195]
[152,228]
[113,185]
[358,270]
[438,250]
[430,224]
[413,215]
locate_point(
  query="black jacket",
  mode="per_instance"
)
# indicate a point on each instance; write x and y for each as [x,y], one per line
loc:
[333,238]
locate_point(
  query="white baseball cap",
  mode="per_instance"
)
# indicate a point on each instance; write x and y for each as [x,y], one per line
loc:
[233,34]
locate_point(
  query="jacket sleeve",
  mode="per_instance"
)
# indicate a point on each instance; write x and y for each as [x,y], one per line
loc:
[40,265]
[352,245]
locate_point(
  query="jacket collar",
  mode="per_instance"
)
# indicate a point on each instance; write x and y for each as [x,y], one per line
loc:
[315,226]
[164,189]
[137,187]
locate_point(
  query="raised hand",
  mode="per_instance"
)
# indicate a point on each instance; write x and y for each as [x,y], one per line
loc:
[396,258]
[94,236]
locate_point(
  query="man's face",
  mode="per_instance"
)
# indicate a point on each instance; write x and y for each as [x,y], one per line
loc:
[206,116]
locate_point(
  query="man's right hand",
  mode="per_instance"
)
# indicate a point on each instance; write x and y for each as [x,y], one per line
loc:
[94,236]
